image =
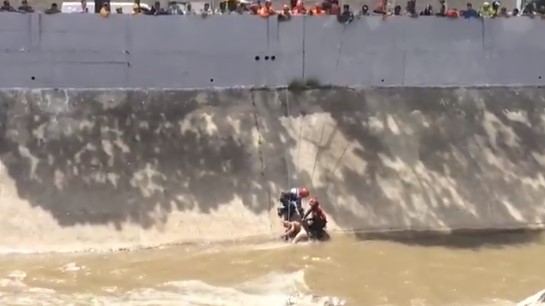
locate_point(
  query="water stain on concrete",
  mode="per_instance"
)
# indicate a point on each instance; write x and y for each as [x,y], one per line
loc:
[185,165]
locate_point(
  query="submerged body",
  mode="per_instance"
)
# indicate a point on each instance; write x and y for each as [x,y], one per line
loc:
[292,229]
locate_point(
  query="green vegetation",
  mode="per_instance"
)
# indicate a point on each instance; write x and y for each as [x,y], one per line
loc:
[313,83]
[295,86]
[299,85]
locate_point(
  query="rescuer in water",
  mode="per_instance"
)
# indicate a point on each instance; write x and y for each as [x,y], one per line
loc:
[315,221]
[291,203]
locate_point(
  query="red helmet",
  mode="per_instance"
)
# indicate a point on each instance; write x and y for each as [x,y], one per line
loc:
[313,202]
[303,192]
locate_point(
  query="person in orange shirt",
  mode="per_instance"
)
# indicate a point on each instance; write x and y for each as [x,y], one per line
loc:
[299,8]
[318,10]
[136,10]
[105,10]
[267,9]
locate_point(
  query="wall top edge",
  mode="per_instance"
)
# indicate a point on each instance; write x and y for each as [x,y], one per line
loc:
[147,19]
[250,88]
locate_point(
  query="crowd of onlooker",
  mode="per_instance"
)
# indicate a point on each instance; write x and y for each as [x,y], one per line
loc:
[382,7]
[26,8]
[486,10]
[297,7]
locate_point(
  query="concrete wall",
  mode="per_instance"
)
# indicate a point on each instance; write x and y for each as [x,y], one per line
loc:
[88,51]
[103,168]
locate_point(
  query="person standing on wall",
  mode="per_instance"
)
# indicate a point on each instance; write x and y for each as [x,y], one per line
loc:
[99,4]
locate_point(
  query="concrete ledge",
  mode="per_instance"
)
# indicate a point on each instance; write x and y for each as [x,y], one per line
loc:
[67,51]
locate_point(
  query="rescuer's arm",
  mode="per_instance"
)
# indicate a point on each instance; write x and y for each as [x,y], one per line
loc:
[305,215]
[300,209]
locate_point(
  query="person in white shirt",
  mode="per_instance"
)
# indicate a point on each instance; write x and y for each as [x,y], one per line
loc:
[206,10]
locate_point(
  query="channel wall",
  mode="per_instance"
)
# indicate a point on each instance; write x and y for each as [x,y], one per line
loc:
[88,51]
[88,163]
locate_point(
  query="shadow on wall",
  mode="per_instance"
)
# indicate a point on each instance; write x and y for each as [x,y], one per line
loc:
[396,159]
[110,157]
[431,158]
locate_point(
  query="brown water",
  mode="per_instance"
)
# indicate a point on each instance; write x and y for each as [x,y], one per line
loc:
[464,270]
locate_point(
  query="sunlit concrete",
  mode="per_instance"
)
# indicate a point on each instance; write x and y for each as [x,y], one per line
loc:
[94,169]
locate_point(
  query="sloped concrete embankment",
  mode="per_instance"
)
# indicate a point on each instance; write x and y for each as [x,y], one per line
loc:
[94,169]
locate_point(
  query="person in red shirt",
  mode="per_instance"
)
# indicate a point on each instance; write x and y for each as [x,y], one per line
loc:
[267,10]
[315,220]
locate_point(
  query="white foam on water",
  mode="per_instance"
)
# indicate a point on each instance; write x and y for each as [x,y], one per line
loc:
[422,302]
[274,289]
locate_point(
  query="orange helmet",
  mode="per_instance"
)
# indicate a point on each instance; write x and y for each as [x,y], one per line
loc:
[303,192]
[313,202]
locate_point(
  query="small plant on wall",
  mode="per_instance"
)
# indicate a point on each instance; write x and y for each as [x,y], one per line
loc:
[313,83]
[299,85]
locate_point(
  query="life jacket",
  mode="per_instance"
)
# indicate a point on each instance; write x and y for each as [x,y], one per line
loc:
[318,214]
[486,10]
[317,220]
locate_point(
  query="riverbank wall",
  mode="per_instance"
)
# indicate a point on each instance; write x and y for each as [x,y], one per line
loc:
[94,169]
[104,149]
[88,51]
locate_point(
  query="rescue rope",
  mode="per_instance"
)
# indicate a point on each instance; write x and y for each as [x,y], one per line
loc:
[289,180]
[340,49]
[317,152]
[286,152]
[261,159]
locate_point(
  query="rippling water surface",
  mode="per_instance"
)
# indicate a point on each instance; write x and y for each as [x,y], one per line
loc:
[497,269]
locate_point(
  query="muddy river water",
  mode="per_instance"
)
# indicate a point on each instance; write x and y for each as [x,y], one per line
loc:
[498,269]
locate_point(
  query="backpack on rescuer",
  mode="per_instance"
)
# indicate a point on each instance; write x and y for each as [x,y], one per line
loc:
[291,202]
